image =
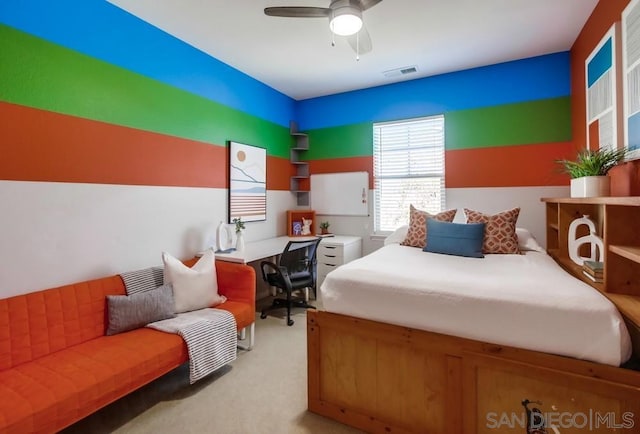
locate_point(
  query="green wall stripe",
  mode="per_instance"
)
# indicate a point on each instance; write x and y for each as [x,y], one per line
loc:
[542,121]
[40,74]
[338,142]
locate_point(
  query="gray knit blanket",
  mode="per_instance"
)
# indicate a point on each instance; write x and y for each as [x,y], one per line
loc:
[211,338]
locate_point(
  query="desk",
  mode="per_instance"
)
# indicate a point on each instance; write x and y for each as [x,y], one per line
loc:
[256,250]
[342,250]
[263,249]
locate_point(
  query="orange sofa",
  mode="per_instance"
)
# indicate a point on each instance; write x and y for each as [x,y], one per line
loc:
[57,366]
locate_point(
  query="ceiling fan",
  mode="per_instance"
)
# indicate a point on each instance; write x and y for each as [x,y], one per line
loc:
[345,19]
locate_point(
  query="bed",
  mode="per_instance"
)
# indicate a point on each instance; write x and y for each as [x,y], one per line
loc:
[410,341]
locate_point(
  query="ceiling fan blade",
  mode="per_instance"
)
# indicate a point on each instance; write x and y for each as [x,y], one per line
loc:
[297,12]
[367,4]
[361,41]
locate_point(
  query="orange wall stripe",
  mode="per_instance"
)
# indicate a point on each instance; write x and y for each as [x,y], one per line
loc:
[507,166]
[38,145]
[279,172]
[503,166]
[338,165]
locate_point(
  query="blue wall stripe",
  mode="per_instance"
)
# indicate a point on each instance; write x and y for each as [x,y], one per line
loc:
[600,63]
[633,124]
[530,79]
[101,30]
[104,31]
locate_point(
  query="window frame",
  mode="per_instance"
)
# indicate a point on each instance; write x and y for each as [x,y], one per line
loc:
[422,173]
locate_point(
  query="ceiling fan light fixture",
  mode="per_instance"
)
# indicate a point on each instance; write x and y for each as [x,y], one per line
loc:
[346,21]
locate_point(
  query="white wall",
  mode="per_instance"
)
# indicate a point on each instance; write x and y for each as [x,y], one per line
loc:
[53,234]
[488,200]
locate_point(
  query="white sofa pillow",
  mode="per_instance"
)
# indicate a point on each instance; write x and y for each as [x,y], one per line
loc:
[193,288]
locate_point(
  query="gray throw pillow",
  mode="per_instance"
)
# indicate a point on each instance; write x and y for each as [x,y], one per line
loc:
[128,312]
[142,280]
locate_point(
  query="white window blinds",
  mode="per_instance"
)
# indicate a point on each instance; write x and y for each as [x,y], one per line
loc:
[408,164]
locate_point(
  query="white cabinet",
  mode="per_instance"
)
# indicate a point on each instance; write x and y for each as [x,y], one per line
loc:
[335,251]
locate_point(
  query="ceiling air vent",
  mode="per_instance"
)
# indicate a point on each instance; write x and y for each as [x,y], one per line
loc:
[400,71]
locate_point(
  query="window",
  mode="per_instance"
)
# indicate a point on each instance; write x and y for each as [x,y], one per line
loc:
[408,166]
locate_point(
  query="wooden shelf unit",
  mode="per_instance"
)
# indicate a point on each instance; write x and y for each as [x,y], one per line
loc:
[631,253]
[297,216]
[618,224]
[299,180]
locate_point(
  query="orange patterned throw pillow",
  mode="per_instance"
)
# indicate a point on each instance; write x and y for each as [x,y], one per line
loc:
[500,230]
[417,233]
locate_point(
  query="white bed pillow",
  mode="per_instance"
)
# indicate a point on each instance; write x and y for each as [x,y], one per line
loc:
[193,288]
[527,242]
[397,236]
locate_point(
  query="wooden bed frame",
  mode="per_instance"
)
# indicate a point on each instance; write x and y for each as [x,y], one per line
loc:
[385,378]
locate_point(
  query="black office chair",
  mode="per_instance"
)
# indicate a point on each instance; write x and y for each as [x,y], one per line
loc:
[296,269]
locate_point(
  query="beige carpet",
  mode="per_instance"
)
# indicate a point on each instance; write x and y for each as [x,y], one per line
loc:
[263,391]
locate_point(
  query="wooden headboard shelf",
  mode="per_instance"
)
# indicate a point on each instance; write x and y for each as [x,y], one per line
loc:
[618,224]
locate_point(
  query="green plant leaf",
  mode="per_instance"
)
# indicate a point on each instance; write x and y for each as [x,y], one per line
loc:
[593,163]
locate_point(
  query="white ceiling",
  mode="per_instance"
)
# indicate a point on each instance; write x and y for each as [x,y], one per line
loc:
[294,55]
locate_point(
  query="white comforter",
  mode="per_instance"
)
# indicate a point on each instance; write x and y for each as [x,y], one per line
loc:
[524,301]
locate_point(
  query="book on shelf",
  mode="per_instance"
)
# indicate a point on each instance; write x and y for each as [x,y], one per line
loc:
[325,235]
[593,268]
[592,273]
[593,278]
[593,265]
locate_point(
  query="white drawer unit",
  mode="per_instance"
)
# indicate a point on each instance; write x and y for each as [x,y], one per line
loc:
[335,251]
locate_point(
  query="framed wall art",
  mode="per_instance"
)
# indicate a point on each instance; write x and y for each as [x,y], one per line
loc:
[247,182]
[602,84]
[631,77]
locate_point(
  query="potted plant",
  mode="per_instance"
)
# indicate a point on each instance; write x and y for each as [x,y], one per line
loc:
[239,237]
[589,172]
[324,227]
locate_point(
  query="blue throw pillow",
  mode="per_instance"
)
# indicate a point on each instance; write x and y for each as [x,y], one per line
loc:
[455,238]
